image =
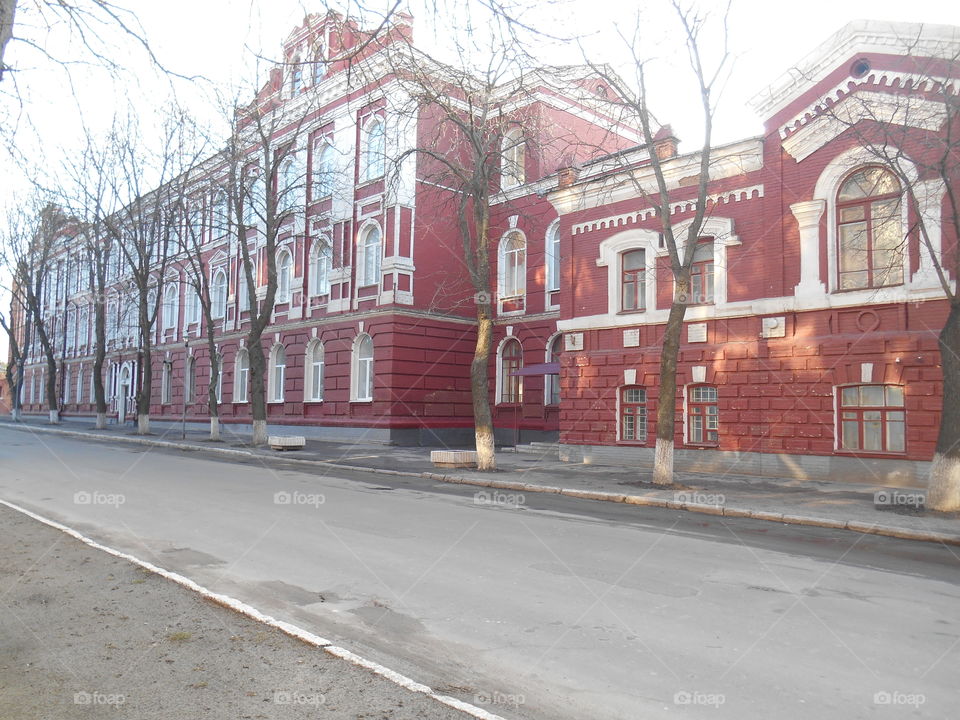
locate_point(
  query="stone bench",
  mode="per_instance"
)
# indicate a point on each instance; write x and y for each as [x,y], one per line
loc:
[281,442]
[454,458]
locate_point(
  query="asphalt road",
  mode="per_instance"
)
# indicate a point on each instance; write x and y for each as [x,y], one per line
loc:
[542,606]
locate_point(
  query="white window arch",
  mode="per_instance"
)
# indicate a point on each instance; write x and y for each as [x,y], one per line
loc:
[374,149]
[509,361]
[313,385]
[370,251]
[321,262]
[241,375]
[363,369]
[218,294]
[552,243]
[512,265]
[171,305]
[512,159]
[323,170]
[284,275]
[278,373]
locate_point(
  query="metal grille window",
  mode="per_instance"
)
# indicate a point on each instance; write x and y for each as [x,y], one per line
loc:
[703,416]
[633,281]
[633,414]
[872,418]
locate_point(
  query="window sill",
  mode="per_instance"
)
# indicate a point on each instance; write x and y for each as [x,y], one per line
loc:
[880,454]
[633,443]
[361,401]
[638,311]
[313,402]
[702,446]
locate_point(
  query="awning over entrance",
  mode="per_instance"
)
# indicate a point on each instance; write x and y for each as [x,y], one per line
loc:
[539,369]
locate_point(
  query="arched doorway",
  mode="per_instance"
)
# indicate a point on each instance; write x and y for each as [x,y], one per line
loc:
[123,392]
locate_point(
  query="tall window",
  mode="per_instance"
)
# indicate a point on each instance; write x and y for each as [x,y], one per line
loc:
[511,360]
[287,186]
[374,149]
[363,368]
[218,294]
[284,270]
[278,375]
[296,77]
[703,416]
[190,384]
[221,214]
[219,361]
[701,274]
[872,418]
[633,414]
[319,66]
[321,260]
[371,250]
[241,376]
[193,306]
[551,385]
[869,230]
[170,309]
[80,384]
[166,384]
[254,197]
[513,149]
[243,295]
[553,258]
[513,265]
[322,171]
[633,283]
[314,391]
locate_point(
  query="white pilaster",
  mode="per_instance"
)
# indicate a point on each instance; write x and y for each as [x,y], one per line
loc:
[808,216]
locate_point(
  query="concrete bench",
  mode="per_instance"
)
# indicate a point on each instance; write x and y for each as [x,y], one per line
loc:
[280,442]
[454,458]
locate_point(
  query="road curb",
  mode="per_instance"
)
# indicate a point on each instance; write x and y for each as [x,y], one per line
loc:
[641,500]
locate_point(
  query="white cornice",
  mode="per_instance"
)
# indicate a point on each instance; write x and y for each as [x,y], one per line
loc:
[860,36]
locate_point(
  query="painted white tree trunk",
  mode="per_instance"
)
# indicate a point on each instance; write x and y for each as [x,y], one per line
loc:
[54,417]
[143,425]
[214,428]
[663,462]
[101,420]
[16,414]
[260,432]
[943,488]
[486,450]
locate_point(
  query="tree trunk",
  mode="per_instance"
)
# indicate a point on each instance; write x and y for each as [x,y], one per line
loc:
[480,387]
[101,420]
[667,396]
[52,399]
[943,487]
[214,428]
[258,397]
[143,395]
[100,330]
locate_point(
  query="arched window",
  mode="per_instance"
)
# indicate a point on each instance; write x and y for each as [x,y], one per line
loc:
[254,197]
[363,369]
[370,251]
[513,266]
[321,260]
[633,414]
[170,306]
[511,361]
[553,258]
[701,273]
[374,149]
[869,230]
[221,214]
[323,171]
[243,294]
[218,294]
[314,389]
[703,417]
[513,149]
[288,186]
[551,383]
[278,373]
[284,271]
[193,305]
[241,375]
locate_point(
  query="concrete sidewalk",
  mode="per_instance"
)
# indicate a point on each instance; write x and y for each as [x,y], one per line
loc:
[857,507]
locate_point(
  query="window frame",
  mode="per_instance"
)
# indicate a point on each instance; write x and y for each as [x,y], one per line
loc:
[551,383]
[374,156]
[321,263]
[639,280]
[552,253]
[860,410]
[623,405]
[705,269]
[314,372]
[219,291]
[284,276]
[367,265]
[363,369]
[698,408]
[241,376]
[323,172]
[278,374]
[509,387]
[171,306]
[515,272]
[513,159]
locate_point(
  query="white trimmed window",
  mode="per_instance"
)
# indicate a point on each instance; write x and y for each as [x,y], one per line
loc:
[551,383]
[254,199]
[512,265]
[323,170]
[166,384]
[553,258]
[79,384]
[171,310]
[221,214]
[190,384]
[870,233]
[321,261]
[219,360]
[296,76]
[314,380]
[363,376]
[278,373]
[374,149]
[284,271]
[370,252]
[243,294]
[193,306]
[241,376]
[872,418]
[510,385]
[633,414]
[512,157]
[288,186]
[218,294]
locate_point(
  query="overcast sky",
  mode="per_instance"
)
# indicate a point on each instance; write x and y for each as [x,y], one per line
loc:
[220,40]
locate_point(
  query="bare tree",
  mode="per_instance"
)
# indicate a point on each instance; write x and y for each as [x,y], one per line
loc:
[680,250]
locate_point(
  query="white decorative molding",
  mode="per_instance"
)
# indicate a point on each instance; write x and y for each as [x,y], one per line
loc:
[572,341]
[513,221]
[697,332]
[509,330]
[773,327]
[699,373]
[808,218]
[630,377]
[633,218]
[866,372]
[631,337]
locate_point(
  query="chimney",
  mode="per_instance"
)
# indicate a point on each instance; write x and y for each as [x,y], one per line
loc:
[566,177]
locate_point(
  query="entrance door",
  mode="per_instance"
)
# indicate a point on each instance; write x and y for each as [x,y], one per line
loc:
[122,395]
